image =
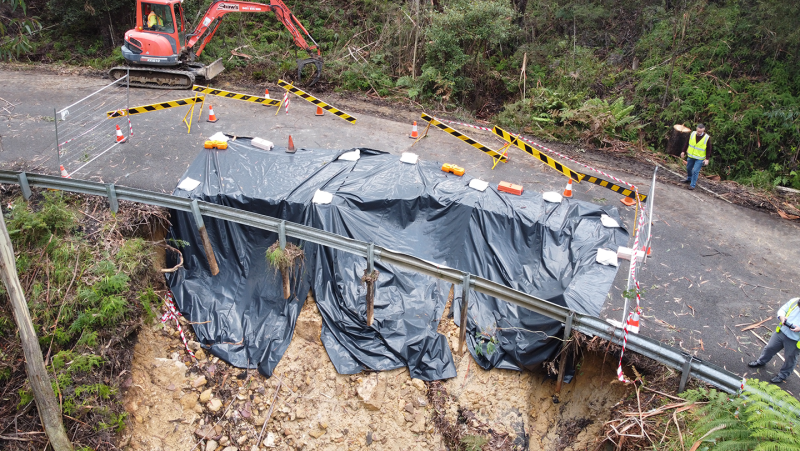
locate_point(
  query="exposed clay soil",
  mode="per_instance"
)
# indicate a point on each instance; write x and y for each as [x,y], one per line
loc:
[173,402]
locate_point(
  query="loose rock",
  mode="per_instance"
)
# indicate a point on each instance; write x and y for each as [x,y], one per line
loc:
[205,396]
[269,442]
[211,445]
[199,382]
[418,384]
[214,405]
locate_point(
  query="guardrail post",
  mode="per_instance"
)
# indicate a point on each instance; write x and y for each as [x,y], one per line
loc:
[113,203]
[562,366]
[370,284]
[23,183]
[687,368]
[201,227]
[462,331]
[282,234]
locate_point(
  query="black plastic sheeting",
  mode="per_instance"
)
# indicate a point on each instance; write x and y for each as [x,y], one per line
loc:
[545,249]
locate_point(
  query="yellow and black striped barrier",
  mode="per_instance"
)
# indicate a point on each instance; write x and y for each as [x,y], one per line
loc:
[508,137]
[464,138]
[235,95]
[304,95]
[155,107]
[613,187]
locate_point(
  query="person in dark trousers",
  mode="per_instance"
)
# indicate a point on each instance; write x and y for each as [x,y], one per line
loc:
[786,336]
[698,152]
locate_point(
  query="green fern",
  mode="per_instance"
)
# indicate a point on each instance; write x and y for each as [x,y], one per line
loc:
[764,419]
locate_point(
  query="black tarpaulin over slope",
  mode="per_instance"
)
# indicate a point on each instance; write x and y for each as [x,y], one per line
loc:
[545,249]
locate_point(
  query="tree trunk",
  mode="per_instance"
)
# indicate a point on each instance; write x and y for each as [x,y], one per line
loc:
[520,6]
[678,138]
[287,286]
[46,403]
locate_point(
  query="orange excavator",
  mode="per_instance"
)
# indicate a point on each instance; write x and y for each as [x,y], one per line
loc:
[161,53]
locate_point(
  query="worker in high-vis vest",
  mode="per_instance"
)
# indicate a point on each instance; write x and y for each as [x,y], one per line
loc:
[786,336]
[698,152]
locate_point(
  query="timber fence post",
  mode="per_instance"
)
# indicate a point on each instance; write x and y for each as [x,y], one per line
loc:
[46,403]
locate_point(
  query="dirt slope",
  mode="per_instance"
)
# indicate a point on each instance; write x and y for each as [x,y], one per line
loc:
[173,402]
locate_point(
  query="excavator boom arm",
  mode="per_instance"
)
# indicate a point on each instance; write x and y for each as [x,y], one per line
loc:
[219,8]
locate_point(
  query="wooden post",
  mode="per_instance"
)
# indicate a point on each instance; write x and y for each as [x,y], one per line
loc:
[201,227]
[370,281]
[46,403]
[678,138]
[462,330]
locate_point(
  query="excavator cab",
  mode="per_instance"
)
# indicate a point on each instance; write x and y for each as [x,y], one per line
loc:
[159,36]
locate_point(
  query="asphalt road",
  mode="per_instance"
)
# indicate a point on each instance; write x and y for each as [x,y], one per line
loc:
[715,267]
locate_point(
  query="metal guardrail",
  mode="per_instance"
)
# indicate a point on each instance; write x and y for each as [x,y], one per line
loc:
[589,325]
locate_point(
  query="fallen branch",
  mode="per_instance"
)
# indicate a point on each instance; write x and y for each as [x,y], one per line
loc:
[180,256]
[269,413]
[755,325]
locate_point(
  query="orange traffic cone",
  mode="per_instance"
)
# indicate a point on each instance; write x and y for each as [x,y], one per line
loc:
[633,322]
[64,171]
[266,93]
[568,189]
[628,201]
[291,148]
[414,132]
[320,112]
[211,116]
[120,139]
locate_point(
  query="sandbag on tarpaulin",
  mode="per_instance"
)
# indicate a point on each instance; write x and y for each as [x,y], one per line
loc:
[544,249]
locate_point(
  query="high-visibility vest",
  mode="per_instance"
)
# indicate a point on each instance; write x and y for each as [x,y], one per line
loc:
[697,150]
[787,315]
[153,19]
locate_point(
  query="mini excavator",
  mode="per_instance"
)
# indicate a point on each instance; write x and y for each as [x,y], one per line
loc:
[161,54]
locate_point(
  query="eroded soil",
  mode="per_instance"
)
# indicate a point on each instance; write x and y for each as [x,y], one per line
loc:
[177,404]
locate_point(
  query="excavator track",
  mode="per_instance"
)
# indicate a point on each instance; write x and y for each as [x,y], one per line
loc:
[155,78]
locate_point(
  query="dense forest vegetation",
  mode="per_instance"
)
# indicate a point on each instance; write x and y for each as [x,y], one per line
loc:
[602,73]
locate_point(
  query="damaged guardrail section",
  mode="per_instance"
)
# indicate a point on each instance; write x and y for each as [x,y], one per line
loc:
[591,326]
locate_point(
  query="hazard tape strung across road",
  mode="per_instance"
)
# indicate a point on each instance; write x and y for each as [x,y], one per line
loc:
[155,107]
[235,95]
[560,155]
[616,188]
[433,121]
[513,139]
[595,180]
[304,95]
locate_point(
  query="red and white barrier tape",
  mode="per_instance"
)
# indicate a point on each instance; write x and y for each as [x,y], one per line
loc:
[465,125]
[286,101]
[638,309]
[130,126]
[173,313]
